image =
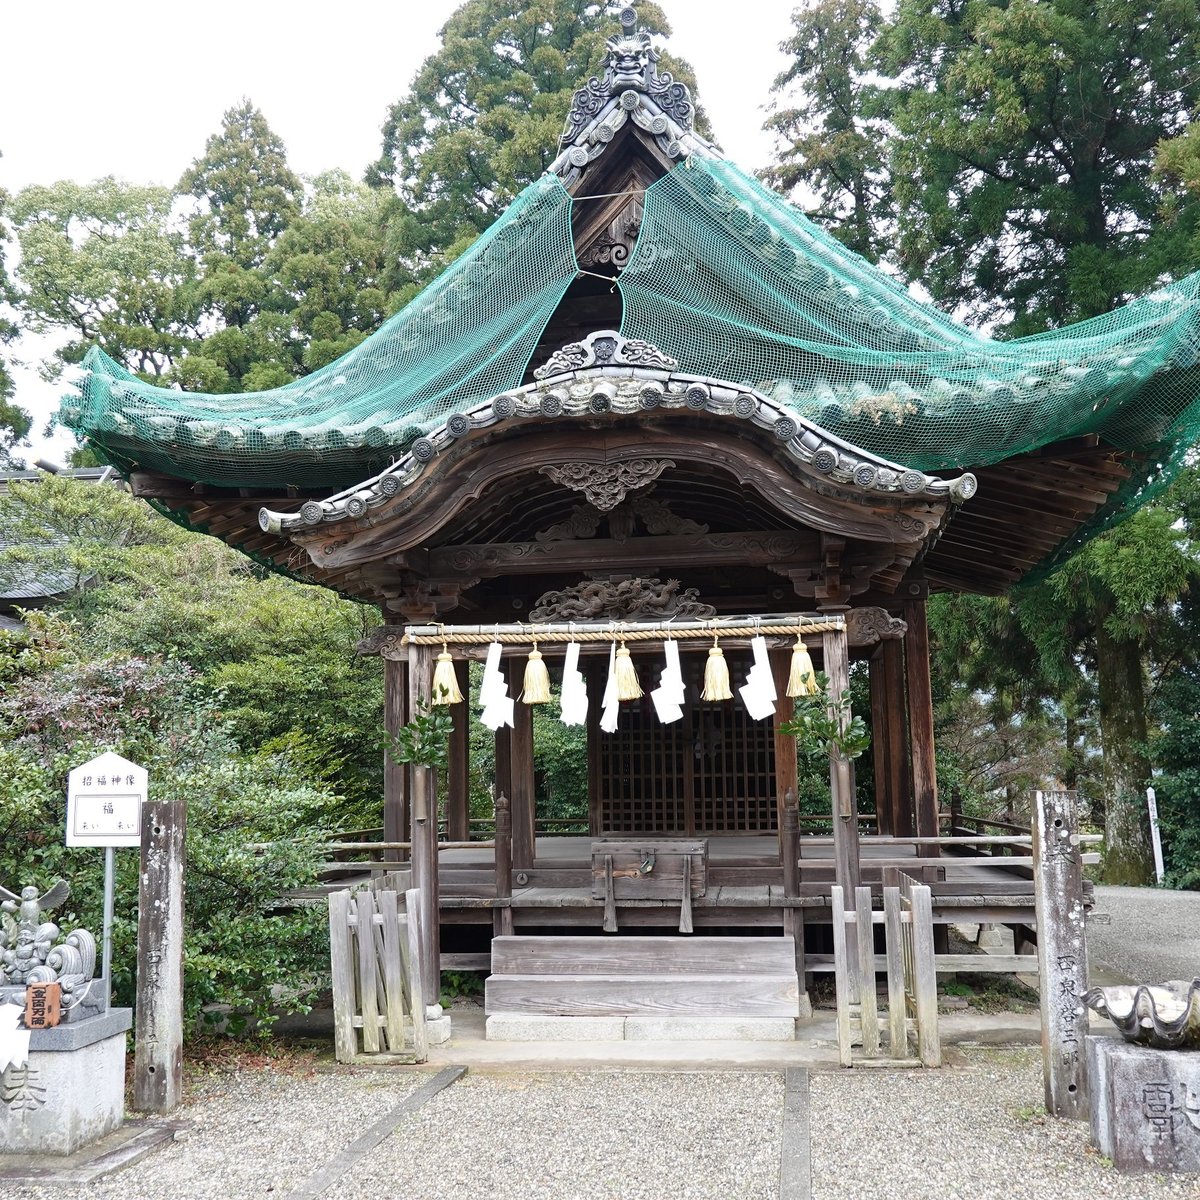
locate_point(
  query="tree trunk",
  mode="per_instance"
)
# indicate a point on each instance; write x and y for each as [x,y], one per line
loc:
[1126,771]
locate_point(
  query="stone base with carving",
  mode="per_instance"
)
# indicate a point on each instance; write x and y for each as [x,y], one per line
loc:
[1145,1105]
[72,1092]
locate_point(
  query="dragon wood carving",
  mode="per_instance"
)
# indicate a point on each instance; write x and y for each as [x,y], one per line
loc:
[625,600]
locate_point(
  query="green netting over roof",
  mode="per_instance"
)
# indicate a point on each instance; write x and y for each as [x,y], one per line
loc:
[736,283]
[465,338]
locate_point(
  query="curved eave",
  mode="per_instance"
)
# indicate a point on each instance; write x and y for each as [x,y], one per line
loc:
[596,393]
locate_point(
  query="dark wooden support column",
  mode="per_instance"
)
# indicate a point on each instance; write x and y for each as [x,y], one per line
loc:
[395,774]
[458,780]
[522,794]
[786,769]
[591,674]
[841,775]
[879,744]
[920,718]
[423,802]
[898,785]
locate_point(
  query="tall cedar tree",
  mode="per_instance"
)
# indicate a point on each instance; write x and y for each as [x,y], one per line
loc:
[14,421]
[484,115]
[1024,143]
[1019,141]
[831,137]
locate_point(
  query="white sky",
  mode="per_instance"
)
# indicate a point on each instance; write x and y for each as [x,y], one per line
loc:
[134,88]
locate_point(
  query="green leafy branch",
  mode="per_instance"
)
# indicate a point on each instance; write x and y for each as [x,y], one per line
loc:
[425,740]
[821,729]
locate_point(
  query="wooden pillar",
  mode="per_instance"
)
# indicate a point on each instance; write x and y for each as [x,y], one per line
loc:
[786,770]
[920,719]
[458,779]
[898,785]
[879,743]
[423,804]
[591,674]
[502,914]
[841,776]
[395,774]
[522,793]
[158,1037]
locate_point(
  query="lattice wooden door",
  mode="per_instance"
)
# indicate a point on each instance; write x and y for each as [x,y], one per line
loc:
[712,772]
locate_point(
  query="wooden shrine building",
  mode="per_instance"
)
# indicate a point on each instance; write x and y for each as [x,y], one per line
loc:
[652,397]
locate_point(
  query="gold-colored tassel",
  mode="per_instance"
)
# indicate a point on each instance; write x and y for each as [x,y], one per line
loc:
[802,679]
[628,687]
[716,675]
[537,679]
[445,682]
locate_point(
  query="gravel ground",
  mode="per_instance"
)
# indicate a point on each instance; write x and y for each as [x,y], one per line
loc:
[254,1131]
[603,1135]
[973,1131]
[1154,934]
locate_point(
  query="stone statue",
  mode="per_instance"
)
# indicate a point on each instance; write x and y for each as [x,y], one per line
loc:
[29,906]
[30,951]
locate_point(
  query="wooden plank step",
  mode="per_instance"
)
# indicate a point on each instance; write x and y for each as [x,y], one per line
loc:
[644,995]
[531,955]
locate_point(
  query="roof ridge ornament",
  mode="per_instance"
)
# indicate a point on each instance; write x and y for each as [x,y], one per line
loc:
[631,88]
[605,348]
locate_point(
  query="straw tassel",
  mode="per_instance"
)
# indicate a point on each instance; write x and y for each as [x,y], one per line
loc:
[802,679]
[537,679]
[445,682]
[716,675]
[628,687]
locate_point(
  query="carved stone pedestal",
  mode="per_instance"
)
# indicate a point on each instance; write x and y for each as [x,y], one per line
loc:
[72,1092]
[1145,1105]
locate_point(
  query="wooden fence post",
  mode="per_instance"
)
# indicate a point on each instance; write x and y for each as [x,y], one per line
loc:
[502,924]
[789,850]
[1062,952]
[158,1039]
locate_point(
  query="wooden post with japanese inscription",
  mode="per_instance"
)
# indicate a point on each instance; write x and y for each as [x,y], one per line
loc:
[1062,952]
[423,805]
[158,1032]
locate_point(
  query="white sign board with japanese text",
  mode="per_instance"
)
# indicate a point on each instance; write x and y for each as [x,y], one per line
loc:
[104,802]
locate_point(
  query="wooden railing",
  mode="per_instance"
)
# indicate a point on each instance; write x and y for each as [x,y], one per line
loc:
[378,1005]
[907,919]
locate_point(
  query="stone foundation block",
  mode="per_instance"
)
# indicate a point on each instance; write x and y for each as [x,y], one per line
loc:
[710,1029]
[1145,1105]
[73,1090]
[531,1027]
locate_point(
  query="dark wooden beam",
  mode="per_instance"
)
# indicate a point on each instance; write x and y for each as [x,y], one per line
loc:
[749,549]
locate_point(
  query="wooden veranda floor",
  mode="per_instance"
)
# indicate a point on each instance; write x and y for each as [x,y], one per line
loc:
[744,884]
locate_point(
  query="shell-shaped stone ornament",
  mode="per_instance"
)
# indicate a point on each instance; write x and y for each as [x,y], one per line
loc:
[1165,1016]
